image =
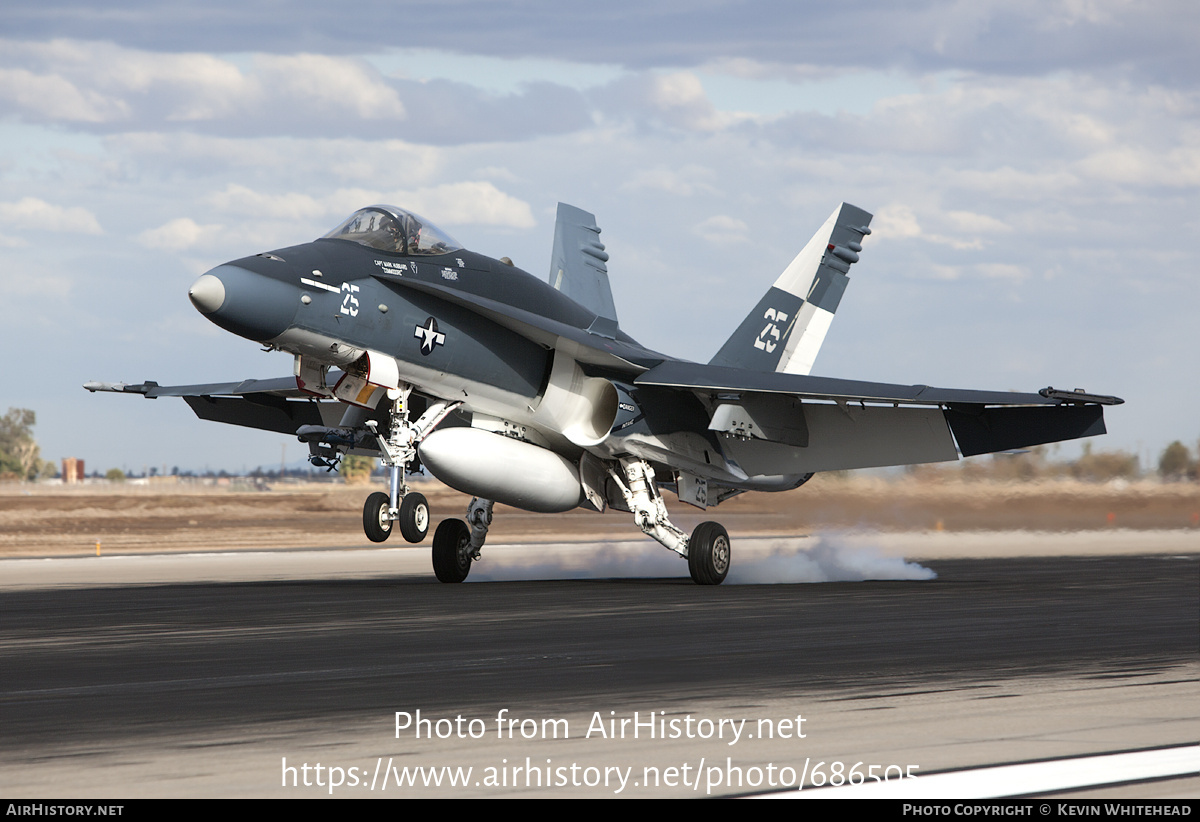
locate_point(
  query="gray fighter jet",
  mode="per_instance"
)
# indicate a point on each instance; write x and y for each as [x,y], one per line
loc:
[411,348]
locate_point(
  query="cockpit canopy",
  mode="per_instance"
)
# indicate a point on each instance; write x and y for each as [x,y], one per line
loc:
[392,229]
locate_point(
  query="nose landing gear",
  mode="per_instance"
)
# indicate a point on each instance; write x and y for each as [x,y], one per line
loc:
[414,517]
[398,451]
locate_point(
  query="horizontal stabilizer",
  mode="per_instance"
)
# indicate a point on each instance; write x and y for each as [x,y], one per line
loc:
[989,430]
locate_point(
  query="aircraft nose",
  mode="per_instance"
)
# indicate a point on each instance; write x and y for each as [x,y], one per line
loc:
[207,293]
[249,304]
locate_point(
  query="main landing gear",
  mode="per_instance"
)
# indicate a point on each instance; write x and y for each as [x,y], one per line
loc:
[708,554]
[456,544]
[707,550]
[398,451]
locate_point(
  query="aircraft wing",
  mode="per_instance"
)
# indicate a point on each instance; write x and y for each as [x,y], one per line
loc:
[268,405]
[280,387]
[679,374]
[981,421]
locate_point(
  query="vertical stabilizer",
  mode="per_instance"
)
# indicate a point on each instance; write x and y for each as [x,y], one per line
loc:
[577,267]
[785,330]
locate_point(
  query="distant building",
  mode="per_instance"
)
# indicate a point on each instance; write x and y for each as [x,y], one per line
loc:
[72,470]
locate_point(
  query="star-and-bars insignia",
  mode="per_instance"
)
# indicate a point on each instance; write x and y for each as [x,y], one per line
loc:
[429,336]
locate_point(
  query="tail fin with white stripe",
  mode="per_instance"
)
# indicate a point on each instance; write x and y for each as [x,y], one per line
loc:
[785,330]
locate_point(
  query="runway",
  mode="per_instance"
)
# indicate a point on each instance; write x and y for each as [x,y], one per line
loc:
[211,676]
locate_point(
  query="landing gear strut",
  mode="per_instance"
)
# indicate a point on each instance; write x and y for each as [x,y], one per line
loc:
[707,550]
[398,451]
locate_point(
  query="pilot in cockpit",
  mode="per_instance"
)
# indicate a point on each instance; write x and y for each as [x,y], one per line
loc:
[387,228]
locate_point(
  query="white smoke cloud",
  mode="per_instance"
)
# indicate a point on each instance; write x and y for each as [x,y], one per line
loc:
[828,560]
[760,562]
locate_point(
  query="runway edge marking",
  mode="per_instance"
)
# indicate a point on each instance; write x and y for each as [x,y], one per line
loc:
[1021,779]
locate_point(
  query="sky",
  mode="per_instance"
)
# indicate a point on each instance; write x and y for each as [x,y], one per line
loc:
[1033,169]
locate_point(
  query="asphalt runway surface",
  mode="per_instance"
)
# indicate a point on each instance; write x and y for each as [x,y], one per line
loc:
[175,676]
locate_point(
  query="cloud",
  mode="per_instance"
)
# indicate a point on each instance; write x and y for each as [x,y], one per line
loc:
[749,68]
[1154,40]
[55,98]
[330,82]
[276,218]
[683,182]
[466,203]
[445,112]
[1014,184]
[1018,132]
[32,214]
[675,100]
[110,88]
[238,199]
[471,202]
[899,222]
[970,222]
[895,222]
[322,163]
[180,234]
[1003,271]
[679,97]
[39,286]
[943,272]
[1141,167]
[723,230]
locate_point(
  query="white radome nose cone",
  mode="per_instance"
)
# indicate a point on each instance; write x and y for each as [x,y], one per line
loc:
[207,294]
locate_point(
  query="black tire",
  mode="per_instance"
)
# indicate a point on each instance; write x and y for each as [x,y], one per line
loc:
[375,517]
[452,551]
[708,554]
[414,517]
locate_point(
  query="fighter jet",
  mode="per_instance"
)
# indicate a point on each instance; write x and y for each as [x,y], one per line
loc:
[527,392]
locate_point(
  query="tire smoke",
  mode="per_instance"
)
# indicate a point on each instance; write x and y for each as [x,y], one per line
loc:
[826,558]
